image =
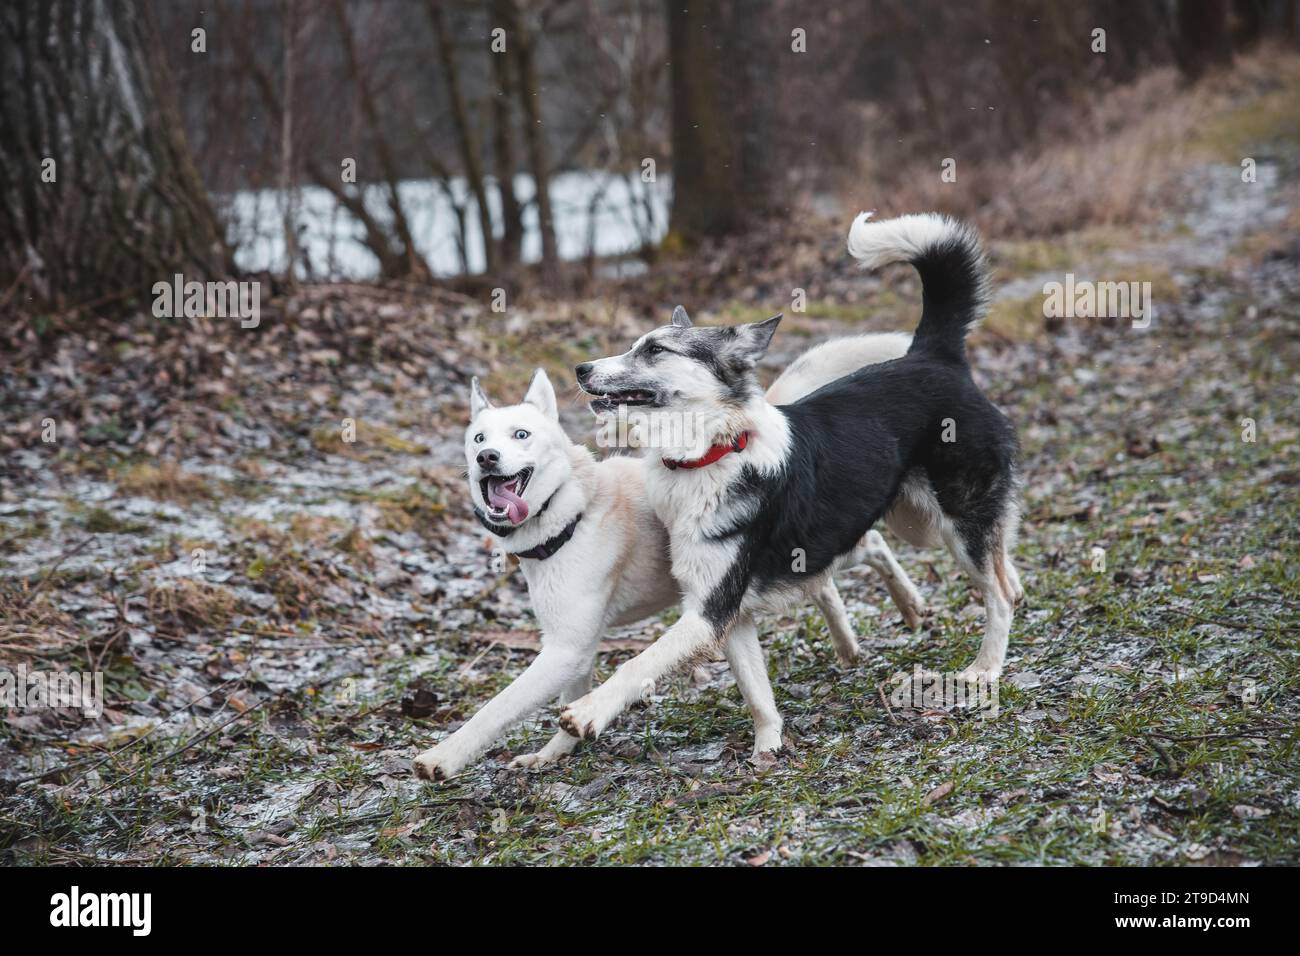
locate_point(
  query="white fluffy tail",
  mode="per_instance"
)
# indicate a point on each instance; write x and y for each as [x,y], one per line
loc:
[947,255]
[905,239]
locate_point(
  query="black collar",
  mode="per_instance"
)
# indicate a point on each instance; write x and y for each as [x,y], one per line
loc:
[547,548]
[500,530]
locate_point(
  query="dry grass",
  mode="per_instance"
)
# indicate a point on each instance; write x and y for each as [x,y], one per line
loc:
[31,624]
[415,507]
[164,482]
[188,605]
[316,530]
[356,543]
[295,583]
[362,440]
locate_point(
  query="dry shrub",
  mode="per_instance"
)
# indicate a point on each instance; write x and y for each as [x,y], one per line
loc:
[188,605]
[31,624]
[416,507]
[370,439]
[1120,161]
[164,482]
[316,530]
[294,581]
[296,585]
[259,531]
[356,543]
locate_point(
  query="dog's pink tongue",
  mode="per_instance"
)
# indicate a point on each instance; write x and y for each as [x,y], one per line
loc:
[516,508]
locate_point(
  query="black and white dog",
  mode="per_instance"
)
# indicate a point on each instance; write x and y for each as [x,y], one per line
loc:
[786,492]
[595,555]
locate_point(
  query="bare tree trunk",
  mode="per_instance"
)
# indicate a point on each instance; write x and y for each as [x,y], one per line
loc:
[379,240]
[99,195]
[415,264]
[519,38]
[503,147]
[1021,118]
[1135,37]
[468,139]
[707,189]
[752,51]
[1203,41]
[1248,23]
[287,196]
[899,19]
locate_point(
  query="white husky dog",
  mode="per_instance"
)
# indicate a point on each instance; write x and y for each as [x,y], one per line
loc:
[595,556]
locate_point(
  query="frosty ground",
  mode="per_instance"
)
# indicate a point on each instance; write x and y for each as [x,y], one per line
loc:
[285,618]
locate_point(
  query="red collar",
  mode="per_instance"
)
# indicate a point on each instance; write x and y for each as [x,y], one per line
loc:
[712,455]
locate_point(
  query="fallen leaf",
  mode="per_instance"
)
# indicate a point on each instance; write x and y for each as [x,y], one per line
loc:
[420,704]
[1247,812]
[937,794]
[260,837]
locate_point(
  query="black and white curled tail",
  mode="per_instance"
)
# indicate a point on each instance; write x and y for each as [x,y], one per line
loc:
[950,261]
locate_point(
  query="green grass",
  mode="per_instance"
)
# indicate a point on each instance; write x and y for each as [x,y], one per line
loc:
[854,785]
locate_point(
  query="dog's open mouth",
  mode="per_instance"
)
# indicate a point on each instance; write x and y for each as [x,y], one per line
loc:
[609,401]
[504,496]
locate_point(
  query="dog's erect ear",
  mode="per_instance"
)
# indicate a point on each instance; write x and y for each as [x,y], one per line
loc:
[680,319]
[542,394]
[753,339]
[477,399]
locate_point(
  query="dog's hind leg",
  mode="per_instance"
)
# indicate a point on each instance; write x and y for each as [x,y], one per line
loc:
[985,565]
[874,552]
[748,665]
[562,744]
[1010,577]
[997,626]
[1015,590]
[828,600]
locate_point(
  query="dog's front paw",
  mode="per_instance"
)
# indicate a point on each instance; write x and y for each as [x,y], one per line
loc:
[561,745]
[767,744]
[978,672]
[586,718]
[534,761]
[437,764]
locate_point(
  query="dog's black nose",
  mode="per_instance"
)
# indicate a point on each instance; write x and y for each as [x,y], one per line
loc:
[488,458]
[584,371]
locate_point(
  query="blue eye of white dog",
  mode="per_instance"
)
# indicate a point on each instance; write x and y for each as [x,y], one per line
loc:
[520,434]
